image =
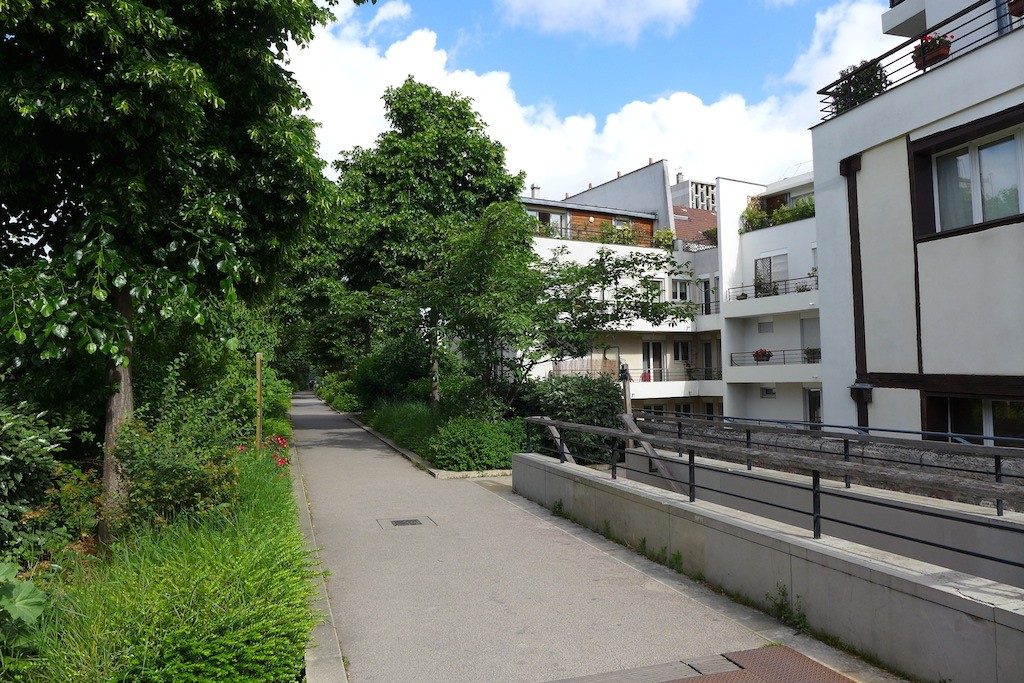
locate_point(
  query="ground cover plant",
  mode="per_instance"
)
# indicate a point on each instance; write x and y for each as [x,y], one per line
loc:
[218,596]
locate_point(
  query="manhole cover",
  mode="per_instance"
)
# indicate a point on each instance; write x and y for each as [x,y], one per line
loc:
[403,522]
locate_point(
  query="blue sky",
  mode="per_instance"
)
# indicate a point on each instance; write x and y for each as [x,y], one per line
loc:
[580,89]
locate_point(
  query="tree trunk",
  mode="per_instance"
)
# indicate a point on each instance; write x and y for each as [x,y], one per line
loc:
[435,371]
[120,405]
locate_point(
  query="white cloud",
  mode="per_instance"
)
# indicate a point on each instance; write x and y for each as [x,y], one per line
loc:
[619,21]
[345,76]
[389,11]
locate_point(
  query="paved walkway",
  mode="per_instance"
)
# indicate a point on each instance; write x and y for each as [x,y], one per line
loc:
[475,583]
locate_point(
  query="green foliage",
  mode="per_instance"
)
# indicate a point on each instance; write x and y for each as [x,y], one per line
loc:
[339,393]
[182,461]
[21,603]
[27,472]
[755,217]
[858,83]
[473,443]
[577,398]
[803,208]
[789,612]
[224,597]
[663,239]
[581,399]
[389,367]
[615,234]
[410,424]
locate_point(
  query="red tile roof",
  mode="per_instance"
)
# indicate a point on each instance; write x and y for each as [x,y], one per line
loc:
[691,223]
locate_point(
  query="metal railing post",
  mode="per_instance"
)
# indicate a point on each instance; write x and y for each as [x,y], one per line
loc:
[999,479]
[846,458]
[816,495]
[750,464]
[692,475]
[612,459]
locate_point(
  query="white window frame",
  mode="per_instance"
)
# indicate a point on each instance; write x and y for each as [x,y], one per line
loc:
[678,346]
[680,290]
[973,147]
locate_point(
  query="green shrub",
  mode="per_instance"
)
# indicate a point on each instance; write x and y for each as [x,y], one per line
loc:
[664,238]
[21,603]
[27,472]
[180,462]
[410,424]
[472,443]
[858,83]
[584,400]
[804,208]
[386,370]
[339,392]
[221,597]
[754,217]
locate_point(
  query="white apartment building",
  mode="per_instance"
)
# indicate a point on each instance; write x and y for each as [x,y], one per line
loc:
[921,227]
[708,365]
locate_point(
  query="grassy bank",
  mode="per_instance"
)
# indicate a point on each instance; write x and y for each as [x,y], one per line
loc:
[222,596]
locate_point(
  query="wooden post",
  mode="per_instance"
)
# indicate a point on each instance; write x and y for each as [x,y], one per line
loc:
[259,400]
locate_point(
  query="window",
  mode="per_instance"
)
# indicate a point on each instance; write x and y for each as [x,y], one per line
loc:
[969,177]
[979,183]
[622,222]
[679,290]
[681,351]
[767,392]
[557,223]
[980,416]
[765,327]
[659,287]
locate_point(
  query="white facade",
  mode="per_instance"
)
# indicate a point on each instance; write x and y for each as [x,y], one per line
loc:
[704,365]
[920,257]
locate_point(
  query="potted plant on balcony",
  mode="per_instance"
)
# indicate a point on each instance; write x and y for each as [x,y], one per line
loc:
[1016,8]
[932,49]
[858,83]
[762,356]
[812,354]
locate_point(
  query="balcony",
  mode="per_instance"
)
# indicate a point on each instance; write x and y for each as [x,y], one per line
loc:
[682,375]
[709,308]
[963,32]
[776,357]
[773,288]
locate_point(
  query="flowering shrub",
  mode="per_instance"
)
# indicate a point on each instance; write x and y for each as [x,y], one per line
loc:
[277,447]
[762,355]
[934,42]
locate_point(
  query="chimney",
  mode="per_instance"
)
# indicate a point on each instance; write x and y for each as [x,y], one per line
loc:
[650,160]
[618,174]
[566,195]
[590,186]
[679,178]
[533,190]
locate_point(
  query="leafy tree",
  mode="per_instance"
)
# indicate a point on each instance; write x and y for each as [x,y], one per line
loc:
[152,157]
[509,309]
[404,199]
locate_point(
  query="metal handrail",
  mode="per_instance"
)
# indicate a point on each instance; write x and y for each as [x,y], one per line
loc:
[773,288]
[816,465]
[775,357]
[912,58]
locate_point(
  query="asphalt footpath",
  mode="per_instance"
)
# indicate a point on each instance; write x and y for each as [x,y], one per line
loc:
[461,580]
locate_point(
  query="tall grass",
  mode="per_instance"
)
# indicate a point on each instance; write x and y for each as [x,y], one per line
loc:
[410,424]
[224,596]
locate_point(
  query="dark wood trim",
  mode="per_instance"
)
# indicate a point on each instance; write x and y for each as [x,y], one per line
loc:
[914,189]
[988,386]
[922,194]
[968,229]
[848,168]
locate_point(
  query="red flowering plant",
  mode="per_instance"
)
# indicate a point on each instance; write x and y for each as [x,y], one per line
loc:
[935,41]
[762,355]
[277,447]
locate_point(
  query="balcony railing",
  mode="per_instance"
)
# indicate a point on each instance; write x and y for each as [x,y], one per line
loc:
[773,288]
[776,357]
[677,375]
[631,236]
[709,307]
[963,32]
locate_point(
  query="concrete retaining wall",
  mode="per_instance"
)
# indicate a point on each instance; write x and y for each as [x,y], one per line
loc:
[1000,537]
[925,620]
